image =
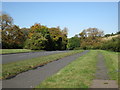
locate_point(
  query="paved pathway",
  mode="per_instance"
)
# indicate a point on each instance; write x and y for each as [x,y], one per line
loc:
[102,78]
[32,78]
[22,56]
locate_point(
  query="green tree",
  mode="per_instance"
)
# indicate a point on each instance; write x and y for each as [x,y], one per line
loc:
[56,36]
[73,43]
[59,38]
[36,42]
[38,37]
[107,35]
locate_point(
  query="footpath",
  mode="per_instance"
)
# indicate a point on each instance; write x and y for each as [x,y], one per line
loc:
[34,77]
[102,79]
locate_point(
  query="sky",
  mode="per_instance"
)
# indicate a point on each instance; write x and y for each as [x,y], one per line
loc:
[76,16]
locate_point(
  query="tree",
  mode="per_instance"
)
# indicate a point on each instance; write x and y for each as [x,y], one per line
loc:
[5,21]
[91,32]
[65,31]
[36,42]
[25,31]
[38,37]
[90,38]
[12,37]
[107,35]
[59,38]
[73,43]
[56,36]
[42,37]
[118,32]
[113,44]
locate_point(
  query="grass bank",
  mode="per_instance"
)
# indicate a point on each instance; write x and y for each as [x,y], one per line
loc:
[6,51]
[78,74]
[111,59]
[14,68]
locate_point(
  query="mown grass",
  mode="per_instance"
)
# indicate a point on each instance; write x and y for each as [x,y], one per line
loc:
[14,68]
[6,51]
[78,74]
[111,59]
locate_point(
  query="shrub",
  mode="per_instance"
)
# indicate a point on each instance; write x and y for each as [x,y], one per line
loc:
[112,45]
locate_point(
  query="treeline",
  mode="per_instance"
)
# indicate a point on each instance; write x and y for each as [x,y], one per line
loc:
[37,37]
[92,38]
[40,37]
[112,45]
[112,34]
[88,39]
[43,38]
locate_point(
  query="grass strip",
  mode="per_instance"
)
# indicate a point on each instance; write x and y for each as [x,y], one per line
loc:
[7,51]
[111,59]
[14,68]
[78,74]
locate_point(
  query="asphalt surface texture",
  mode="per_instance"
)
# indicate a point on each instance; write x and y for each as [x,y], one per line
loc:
[102,79]
[8,58]
[34,77]
[101,72]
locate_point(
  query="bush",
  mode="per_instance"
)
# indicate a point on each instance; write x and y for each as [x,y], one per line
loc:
[73,43]
[36,42]
[112,45]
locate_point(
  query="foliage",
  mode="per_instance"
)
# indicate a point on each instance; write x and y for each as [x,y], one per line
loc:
[56,36]
[36,42]
[59,38]
[107,35]
[91,32]
[118,32]
[89,43]
[73,43]
[112,34]
[42,37]
[90,38]
[37,37]
[12,37]
[113,44]
[5,21]
[25,31]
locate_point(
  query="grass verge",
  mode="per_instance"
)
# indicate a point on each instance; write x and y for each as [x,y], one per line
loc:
[7,51]
[14,68]
[78,74]
[111,59]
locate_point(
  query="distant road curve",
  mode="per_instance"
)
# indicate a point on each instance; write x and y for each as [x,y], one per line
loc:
[22,56]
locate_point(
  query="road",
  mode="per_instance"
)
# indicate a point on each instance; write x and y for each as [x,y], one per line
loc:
[34,77]
[22,56]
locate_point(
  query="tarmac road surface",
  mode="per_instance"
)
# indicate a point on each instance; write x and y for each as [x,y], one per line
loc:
[34,77]
[22,56]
